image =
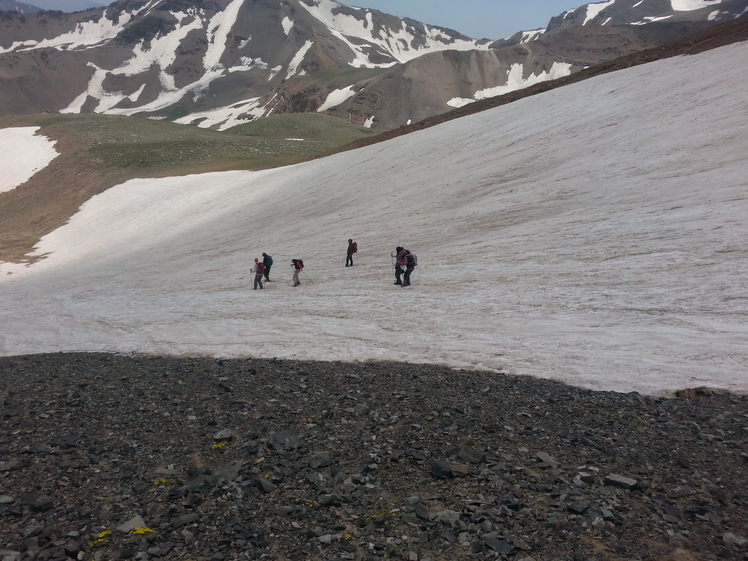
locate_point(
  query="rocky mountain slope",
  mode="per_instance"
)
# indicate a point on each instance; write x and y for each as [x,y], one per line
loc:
[110,457]
[218,64]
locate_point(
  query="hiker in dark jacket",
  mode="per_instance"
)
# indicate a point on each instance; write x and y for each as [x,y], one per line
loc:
[410,264]
[349,254]
[398,270]
[297,265]
[268,262]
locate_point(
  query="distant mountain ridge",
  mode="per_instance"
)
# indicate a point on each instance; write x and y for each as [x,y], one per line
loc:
[20,7]
[220,63]
[54,5]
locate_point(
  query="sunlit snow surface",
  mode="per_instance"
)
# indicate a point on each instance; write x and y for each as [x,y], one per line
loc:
[595,234]
[23,154]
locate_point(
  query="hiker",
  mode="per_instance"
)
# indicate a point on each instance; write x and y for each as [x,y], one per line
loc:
[352,248]
[268,262]
[410,264]
[400,264]
[258,269]
[297,265]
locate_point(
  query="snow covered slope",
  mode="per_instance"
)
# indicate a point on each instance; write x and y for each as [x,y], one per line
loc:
[595,234]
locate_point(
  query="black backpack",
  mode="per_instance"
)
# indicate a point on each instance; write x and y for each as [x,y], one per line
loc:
[412,260]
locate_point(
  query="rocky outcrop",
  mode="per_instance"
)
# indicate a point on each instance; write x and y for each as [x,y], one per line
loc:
[113,457]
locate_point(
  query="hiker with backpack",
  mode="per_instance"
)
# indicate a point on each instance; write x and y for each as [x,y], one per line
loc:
[410,262]
[258,269]
[298,266]
[268,262]
[352,248]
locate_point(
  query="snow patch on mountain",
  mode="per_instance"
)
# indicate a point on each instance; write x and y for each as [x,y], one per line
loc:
[515,80]
[224,118]
[402,45]
[287,24]
[218,30]
[86,35]
[651,19]
[593,10]
[293,67]
[24,153]
[161,53]
[532,35]
[245,64]
[337,97]
[690,5]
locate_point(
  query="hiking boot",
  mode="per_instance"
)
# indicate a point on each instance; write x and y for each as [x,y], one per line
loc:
[399,282]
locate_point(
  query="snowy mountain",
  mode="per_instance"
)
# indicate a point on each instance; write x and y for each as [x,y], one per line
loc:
[593,234]
[218,64]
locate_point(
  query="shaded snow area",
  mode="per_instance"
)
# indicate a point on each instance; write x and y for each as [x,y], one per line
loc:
[24,154]
[594,234]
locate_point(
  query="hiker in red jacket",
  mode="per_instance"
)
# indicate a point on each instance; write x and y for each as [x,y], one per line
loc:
[402,267]
[398,270]
[258,269]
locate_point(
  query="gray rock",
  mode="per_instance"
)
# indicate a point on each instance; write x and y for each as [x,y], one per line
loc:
[733,539]
[184,520]
[265,485]
[471,455]
[422,511]
[441,469]
[461,470]
[286,441]
[320,460]
[9,465]
[38,502]
[579,507]
[32,531]
[499,546]
[547,459]
[225,435]
[616,480]
[130,525]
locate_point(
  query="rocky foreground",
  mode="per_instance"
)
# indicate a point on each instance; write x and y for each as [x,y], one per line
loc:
[111,457]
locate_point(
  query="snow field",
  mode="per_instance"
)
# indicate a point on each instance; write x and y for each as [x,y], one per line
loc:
[595,234]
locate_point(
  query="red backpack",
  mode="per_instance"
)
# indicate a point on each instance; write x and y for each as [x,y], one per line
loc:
[260,268]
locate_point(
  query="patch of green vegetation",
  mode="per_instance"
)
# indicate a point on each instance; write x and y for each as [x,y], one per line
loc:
[136,147]
[306,126]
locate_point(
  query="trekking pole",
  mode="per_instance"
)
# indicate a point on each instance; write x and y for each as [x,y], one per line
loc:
[307,276]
